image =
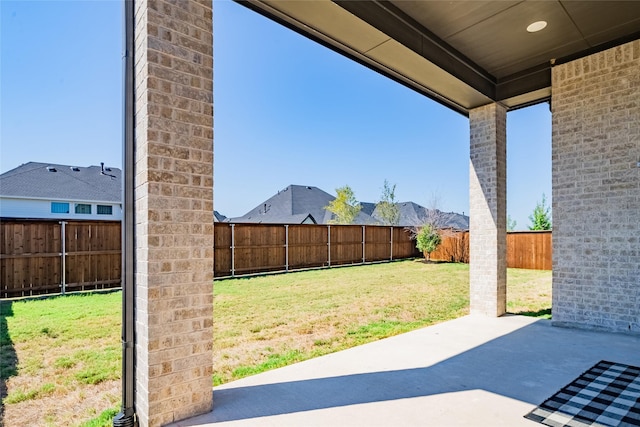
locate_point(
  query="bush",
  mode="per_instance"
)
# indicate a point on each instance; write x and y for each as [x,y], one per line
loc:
[427,240]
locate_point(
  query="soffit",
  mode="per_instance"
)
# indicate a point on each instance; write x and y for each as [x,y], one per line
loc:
[493,34]
[463,54]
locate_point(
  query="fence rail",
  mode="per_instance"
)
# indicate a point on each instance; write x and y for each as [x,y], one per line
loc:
[241,249]
[50,257]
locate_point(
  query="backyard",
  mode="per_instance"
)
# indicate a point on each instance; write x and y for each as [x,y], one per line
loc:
[61,356]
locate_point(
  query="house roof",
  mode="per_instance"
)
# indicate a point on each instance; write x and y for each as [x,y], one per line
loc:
[298,203]
[62,182]
[290,206]
[367,208]
[218,217]
[414,214]
[463,54]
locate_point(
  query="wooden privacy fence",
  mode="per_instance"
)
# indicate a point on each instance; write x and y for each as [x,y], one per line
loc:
[529,249]
[253,248]
[48,257]
[525,249]
[454,247]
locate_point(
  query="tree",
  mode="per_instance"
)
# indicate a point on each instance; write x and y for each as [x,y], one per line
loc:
[428,239]
[429,236]
[435,217]
[511,223]
[387,208]
[540,219]
[344,207]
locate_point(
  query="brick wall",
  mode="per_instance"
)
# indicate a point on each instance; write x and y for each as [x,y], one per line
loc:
[596,190]
[174,209]
[487,204]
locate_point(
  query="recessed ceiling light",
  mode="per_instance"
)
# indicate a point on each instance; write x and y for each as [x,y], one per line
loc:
[536,26]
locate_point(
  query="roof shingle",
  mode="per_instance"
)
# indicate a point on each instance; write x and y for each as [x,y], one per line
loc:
[50,181]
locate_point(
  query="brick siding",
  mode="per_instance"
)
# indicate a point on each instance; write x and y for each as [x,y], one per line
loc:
[596,190]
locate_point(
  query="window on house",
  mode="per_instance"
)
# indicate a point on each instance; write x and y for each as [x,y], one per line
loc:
[105,210]
[83,208]
[57,207]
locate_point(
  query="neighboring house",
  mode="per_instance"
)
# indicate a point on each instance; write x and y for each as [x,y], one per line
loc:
[296,204]
[48,191]
[413,214]
[300,204]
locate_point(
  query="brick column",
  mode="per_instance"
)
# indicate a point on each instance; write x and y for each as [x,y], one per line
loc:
[596,190]
[174,209]
[488,206]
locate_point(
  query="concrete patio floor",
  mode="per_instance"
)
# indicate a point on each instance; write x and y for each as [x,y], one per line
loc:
[473,371]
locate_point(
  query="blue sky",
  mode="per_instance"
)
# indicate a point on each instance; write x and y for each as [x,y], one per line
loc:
[287,111]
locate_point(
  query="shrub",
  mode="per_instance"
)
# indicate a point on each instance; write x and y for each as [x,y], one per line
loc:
[427,240]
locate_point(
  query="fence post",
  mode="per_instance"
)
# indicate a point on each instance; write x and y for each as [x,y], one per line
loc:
[391,242]
[63,255]
[233,249]
[329,245]
[363,241]
[286,247]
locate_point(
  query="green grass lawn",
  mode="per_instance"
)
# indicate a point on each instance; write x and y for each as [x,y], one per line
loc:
[61,356]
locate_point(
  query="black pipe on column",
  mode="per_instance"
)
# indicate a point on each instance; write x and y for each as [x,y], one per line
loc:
[127,417]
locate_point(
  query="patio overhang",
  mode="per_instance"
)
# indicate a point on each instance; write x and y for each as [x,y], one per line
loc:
[475,57]
[462,54]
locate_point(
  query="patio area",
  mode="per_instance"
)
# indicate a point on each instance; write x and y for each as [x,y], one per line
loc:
[473,371]
[482,65]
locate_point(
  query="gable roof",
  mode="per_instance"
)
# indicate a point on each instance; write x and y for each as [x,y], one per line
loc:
[454,220]
[299,203]
[218,217]
[367,208]
[291,205]
[413,214]
[62,182]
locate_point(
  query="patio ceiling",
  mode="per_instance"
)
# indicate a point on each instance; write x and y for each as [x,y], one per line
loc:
[463,54]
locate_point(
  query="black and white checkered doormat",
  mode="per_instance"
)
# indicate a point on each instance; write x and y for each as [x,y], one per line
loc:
[606,395]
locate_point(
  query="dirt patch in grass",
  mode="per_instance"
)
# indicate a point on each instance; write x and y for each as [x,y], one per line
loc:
[70,408]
